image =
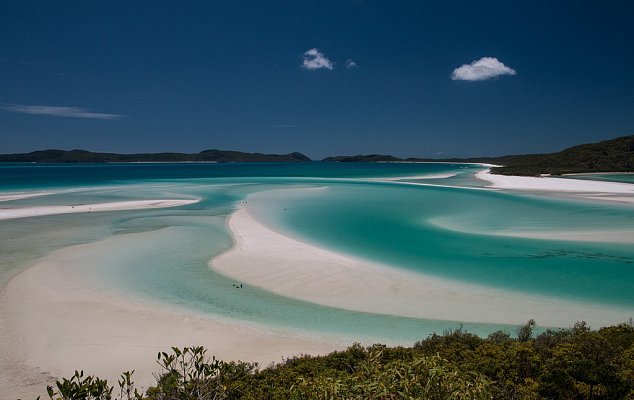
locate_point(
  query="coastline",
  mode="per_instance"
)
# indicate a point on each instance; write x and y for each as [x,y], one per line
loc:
[281,264]
[53,322]
[549,183]
[589,189]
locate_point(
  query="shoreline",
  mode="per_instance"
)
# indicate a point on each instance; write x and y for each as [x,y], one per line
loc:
[53,322]
[274,262]
[582,188]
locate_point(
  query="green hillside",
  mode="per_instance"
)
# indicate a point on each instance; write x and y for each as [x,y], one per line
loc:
[615,155]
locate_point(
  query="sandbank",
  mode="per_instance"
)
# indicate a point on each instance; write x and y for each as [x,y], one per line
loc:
[37,211]
[22,195]
[53,321]
[275,262]
[594,235]
[415,177]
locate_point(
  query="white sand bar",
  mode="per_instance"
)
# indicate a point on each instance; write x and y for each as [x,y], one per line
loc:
[591,189]
[37,211]
[278,263]
[53,321]
[415,177]
[22,195]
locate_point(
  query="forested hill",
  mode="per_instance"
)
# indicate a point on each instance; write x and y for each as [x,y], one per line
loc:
[615,155]
[83,156]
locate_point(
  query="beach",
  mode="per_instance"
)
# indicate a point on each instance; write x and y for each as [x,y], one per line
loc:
[278,263]
[54,318]
[54,322]
[596,190]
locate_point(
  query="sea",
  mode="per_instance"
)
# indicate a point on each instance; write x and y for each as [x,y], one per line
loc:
[436,219]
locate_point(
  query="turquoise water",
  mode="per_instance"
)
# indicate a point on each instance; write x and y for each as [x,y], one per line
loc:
[393,224]
[449,227]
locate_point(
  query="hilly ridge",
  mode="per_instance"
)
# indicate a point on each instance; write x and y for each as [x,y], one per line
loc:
[84,156]
[615,155]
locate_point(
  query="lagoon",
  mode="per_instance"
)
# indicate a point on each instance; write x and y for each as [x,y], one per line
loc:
[457,253]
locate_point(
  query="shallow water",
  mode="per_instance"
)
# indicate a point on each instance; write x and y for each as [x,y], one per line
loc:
[454,230]
[459,234]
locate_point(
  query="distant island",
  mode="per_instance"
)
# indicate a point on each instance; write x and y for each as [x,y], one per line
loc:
[615,155]
[83,156]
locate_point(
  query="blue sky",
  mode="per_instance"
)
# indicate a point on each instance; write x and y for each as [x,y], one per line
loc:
[409,78]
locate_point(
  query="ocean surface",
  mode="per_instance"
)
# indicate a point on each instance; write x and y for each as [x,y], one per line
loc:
[436,219]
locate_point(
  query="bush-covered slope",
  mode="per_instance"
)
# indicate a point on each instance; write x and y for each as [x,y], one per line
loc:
[616,155]
[575,363]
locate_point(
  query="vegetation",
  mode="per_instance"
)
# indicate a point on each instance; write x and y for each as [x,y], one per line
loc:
[616,155]
[575,363]
[83,156]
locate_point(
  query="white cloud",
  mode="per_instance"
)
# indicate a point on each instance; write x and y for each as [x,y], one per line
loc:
[314,59]
[350,64]
[73,112]
[479,70]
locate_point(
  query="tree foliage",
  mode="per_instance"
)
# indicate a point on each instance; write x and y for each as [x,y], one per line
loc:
[575,363]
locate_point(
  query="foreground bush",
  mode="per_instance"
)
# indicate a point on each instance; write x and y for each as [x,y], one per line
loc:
[575,363]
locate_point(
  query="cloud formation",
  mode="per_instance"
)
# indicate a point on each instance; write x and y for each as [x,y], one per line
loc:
[350,64]
[482,69]
[73,112]
[314,59]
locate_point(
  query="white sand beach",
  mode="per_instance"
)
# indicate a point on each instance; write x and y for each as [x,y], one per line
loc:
[38,211]
[53,322]
[267,259]
[598,190]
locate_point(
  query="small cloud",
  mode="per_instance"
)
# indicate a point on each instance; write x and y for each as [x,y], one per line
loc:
[314,59]
[350,64]
[482,69]
[73,112]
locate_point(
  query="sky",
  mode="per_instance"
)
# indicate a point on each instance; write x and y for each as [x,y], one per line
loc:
[407,78]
